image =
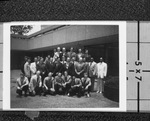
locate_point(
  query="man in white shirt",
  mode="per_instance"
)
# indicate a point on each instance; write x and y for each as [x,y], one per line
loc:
[35,85]
[101,72]
[22,85]
[33,67]
[27,69]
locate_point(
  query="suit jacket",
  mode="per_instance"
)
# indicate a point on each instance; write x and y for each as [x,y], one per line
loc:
[33,68]
[92,69]
[50,67]
[27,69]
[58,68]
[34,82]
[101,70]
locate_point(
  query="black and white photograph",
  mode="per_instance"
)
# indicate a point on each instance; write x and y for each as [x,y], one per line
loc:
[65,66]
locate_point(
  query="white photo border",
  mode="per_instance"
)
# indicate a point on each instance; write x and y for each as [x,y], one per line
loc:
[122,65]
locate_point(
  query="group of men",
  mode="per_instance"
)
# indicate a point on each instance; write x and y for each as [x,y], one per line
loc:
[64,73]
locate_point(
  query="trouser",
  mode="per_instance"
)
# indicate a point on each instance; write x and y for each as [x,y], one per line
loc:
[67,88]
[59,89]
[92,83]
[43,77]
[48,91]
[84,91]
[75,91]
[100,85]
[80,75]
[38,90]
[25,89]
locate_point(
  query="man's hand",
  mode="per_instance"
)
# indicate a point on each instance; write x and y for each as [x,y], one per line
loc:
[18,87]
[46,87]
[86,87]
[64,85]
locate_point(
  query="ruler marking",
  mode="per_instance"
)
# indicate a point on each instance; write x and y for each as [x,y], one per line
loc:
[131,70]
[138,97]
[138,41]
[145,70]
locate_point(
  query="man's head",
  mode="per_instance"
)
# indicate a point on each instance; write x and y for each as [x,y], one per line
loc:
[73,77]
[50,74]
[92,59]
[58,49]
[65,73]
[41,60]
[85,75]
[22,75]
[35,59]
[63,58]
[55,50]
[51,59]
[86,51]
[80,50]
[71,49]
[38,58]
[73,59]
[68,59]
[84,59]
[29,60]
[48,56]
[101,59]
[25,58]
[63,49]
[59,74]
[38,73]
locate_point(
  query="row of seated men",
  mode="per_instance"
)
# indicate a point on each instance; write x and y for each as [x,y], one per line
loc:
[60,84]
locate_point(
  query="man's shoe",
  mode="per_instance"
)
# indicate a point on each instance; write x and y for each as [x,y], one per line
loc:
[88,95]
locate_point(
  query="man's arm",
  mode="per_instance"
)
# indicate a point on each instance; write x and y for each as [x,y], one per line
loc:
[44,83]
[69,80]
[96,70]
[18,86]
[75,67]
[40,84]
[27,82]
[105,70]
[89,80]
[53,83]
[32,68]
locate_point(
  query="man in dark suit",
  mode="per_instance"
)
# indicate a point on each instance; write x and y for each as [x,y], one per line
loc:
[76,87]
[59,84]
[50,66]
[58,67]
[41,67]
[67,82]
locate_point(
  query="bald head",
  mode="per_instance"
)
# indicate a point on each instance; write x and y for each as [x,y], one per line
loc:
[50,74]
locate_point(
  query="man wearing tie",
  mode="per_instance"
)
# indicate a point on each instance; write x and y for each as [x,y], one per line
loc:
[35,85]
[92,72]
[101,72]
[33,67]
